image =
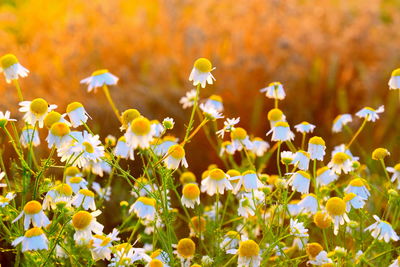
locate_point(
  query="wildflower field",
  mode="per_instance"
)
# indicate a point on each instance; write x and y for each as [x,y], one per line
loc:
[167,152]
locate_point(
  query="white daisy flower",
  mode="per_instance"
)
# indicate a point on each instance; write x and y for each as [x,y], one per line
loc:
[320,259]
[248,203]
[12,68]
[4,118]
[249,254]
[101,245]
[308,203]
[336,207]
[274,90]
[287,157]
[340,121]
[185,250]
[281,132]
[77,183]
[395,263]
[304,127]
[85,223]
[168,123]
[29,134]
[297,229]
[259,146]
[325,176]
[100,78]
[215,101]
[396,174]
[84,198]
[128,256]
[352,200]
[382,230]
[175,157]
[59,135]
[316,148]
[300,182]
[341,162]
[33,239]
[249,180]
[394,82]
[157,128]
[230,242]
[35,111]
[2,175]
[294,208]
[240,139]
[216,181]
[53,117]
[33,213]
[275,115]
[5,200]
[144,208]
[187,101]
[139,133]
[77,114]
[201,72]
[359,187]
[227,147]
[210,113]
[190,195]
[301,159]
[160,147]
[59,194]
[123,150]
[370,114]
[229,126]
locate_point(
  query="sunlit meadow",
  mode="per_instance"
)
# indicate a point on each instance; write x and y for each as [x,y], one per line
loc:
[220,157]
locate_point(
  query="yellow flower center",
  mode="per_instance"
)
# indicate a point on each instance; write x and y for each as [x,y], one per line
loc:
[217,174]
[88,147]
[248,172]
[322,170]
[322,220]
[369,108]
[349,197]
[155,263]
[140,126]
[233,173]
[238,134]
[233,234]
[304,174]
[75,180]
[199,224]
[99,72]
[397,167]
[74,105]
[124,203]
[129,115]
[52,118]
[32,207]
[81,219]
[216,98]
[105,240]
[313,249]
[275,114]
[155,253]
[35,231]
[396,72]
[147,201]
[336,206]
[248,248]
[39,106]
[316,140]
[380,153]
[71,171]
[357,182]
[203,65]
[86,192]
[8,60]
[282,124]
[340,157]
[123,247]
[187,177]
[64,189]
[59,129]
[176,151]
[186,247]
[191,191]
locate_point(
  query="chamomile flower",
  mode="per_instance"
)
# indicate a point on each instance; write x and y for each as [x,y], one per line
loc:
[352,200]
[35,111]
[229,126]
[157,128]
[33,212]
[247,206]
[101,245]
[185,250]
[230,242]
[396,174]
[2,175]
[201,72]
[249,181]
[316,148]
[300,182]
[99,168]
[33,239]
[58,195]
[249,254]
[29,134]
[340,121]
[84,198]
[190,195]
[84,224]
[370,114]
[281,132]
[77,114]
[274,90]
[394,82]
[54,117]
[5,200]
[175,157]
[259,146]
[215,101]
[216,181]
[59,135]
[168,123]
[301,159]
[210,113]
[11,68]
[395,263]
[123,150]
[320,259]
[127,117]
[382,230]
[197,226]
[297,229]
[227,147]
[322,219]
[187,101]
[77,183]
[4,118]
[341,162]
[275,115]
[325,176]
[100,78]
[336,207]
[359,187]
[240,139]
[161,146]
[139,133]
[304,127]
[308,203]
[287,157]
[144,207]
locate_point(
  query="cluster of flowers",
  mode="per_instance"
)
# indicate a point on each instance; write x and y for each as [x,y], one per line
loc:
[261,219]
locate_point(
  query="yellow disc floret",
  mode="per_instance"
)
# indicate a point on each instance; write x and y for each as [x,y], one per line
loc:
[156,263]
[35,231]
[81,219]
[71,171]
[282,124]
[396,72]
[129,115]
[316,140]
[322,220]
[336,206]
[8,60]
[275,114]
[340,157]
[99,72]
[88,147]
[358,182]
[380,153]
[216,98]
[176,151]
[74,105]
[86,193]
[75,180]
[32,207]
[203,65]
[191,191]
[147,201]
[217,174]
[39,106]
[140,126]
[198,223]
[238,134]
[51,118]
[313,249]
[349,197]
[248,248]
[60,129]
[64,189]
[304,174]
[187,177]
[186,248]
